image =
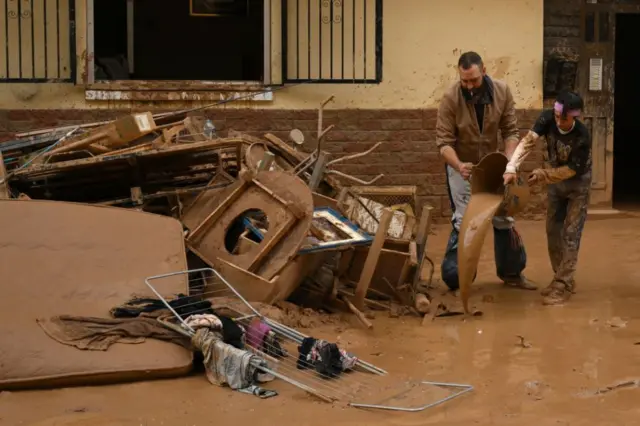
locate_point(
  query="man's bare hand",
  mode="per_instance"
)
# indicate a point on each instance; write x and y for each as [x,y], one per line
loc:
[509,178]
[465,170]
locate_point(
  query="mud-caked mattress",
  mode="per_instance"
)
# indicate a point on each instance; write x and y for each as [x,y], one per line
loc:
[72,259]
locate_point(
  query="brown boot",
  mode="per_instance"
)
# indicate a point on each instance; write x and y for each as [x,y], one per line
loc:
[557,296]
[522,283]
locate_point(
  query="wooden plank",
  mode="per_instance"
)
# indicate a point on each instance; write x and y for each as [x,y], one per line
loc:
[404,273]
[214,215]
[320,200]
[372,258]
[318,170]
[413,253]
[274,239]
[4,186]
[284,146]
[195,127]
[423,234]
[424,227]
[250,286]
[408,228]
[400,190]
[357,313]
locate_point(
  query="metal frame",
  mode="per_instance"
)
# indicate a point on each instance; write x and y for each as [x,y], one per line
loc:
[297,337]
[464,389]
[72,45]
[378,47]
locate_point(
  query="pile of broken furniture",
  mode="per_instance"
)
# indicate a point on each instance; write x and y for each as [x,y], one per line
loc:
[277,222]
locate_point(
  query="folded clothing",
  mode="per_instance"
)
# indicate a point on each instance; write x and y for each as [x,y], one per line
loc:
[226,365]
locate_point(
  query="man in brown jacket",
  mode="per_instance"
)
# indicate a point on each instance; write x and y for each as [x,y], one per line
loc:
[470,115]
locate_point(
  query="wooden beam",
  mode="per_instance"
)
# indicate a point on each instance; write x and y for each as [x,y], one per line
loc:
[372,258]
[318,170]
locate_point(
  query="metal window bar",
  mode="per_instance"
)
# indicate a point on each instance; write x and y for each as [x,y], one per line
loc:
[27,27]
[365,378]
[332,41]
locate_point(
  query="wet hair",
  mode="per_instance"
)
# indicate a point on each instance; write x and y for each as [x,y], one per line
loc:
[469,59]
[570,101]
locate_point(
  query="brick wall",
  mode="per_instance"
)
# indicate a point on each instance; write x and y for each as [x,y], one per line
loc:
[408,155]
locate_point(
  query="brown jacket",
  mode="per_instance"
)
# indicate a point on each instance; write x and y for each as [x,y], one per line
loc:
[457,125]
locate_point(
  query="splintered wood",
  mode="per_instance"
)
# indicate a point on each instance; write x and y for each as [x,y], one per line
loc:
[263,214]
[287,205]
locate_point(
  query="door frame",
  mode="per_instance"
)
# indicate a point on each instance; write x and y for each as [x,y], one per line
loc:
[599,105]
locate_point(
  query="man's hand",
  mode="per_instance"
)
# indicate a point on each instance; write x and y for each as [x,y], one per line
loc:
[537,176]
[509,178]
[465,170]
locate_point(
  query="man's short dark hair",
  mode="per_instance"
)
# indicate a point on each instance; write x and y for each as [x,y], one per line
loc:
[570,101]
[469,59]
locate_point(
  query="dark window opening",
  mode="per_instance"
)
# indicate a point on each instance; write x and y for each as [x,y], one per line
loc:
[560,75]
[590,27]
[169,43]
[627,126]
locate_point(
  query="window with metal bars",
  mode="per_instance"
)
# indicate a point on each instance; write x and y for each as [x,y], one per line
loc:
[332,41]
[37,41]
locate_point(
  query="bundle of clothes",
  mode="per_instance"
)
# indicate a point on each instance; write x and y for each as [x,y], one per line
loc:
[326,358]
[221,340]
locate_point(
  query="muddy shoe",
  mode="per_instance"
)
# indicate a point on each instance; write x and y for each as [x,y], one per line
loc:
[557,296]
[547,290]
[522,283]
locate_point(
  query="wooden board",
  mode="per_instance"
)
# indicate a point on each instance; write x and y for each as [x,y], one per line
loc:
[71,259]
[341,225]
[4,186]
[389,267]
[290,189]
[360,211]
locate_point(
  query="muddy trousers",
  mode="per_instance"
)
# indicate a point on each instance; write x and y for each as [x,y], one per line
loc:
[566,215]
[510,255]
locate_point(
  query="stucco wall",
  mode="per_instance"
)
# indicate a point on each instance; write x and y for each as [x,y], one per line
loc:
[422,42]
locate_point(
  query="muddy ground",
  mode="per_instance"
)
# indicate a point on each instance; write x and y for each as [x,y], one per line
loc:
[580,363]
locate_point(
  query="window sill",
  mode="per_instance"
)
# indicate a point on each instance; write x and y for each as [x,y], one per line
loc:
[140,90]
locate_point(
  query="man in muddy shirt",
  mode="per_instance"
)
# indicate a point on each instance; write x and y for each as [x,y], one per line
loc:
[569,187]
[471,115]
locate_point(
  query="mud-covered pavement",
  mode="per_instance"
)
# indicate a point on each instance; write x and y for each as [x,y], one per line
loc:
[566,373]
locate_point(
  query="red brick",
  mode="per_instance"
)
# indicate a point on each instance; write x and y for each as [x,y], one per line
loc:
[20,115]
[429,118]
[380,114]
[310,125]
[5,136]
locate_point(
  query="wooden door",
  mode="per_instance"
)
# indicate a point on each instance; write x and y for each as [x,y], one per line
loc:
[596,84]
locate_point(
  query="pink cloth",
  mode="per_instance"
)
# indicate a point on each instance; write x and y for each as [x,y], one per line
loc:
[571,113]
[256,333]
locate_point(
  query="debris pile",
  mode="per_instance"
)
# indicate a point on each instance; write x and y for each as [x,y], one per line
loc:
[219,224]
[277,222]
